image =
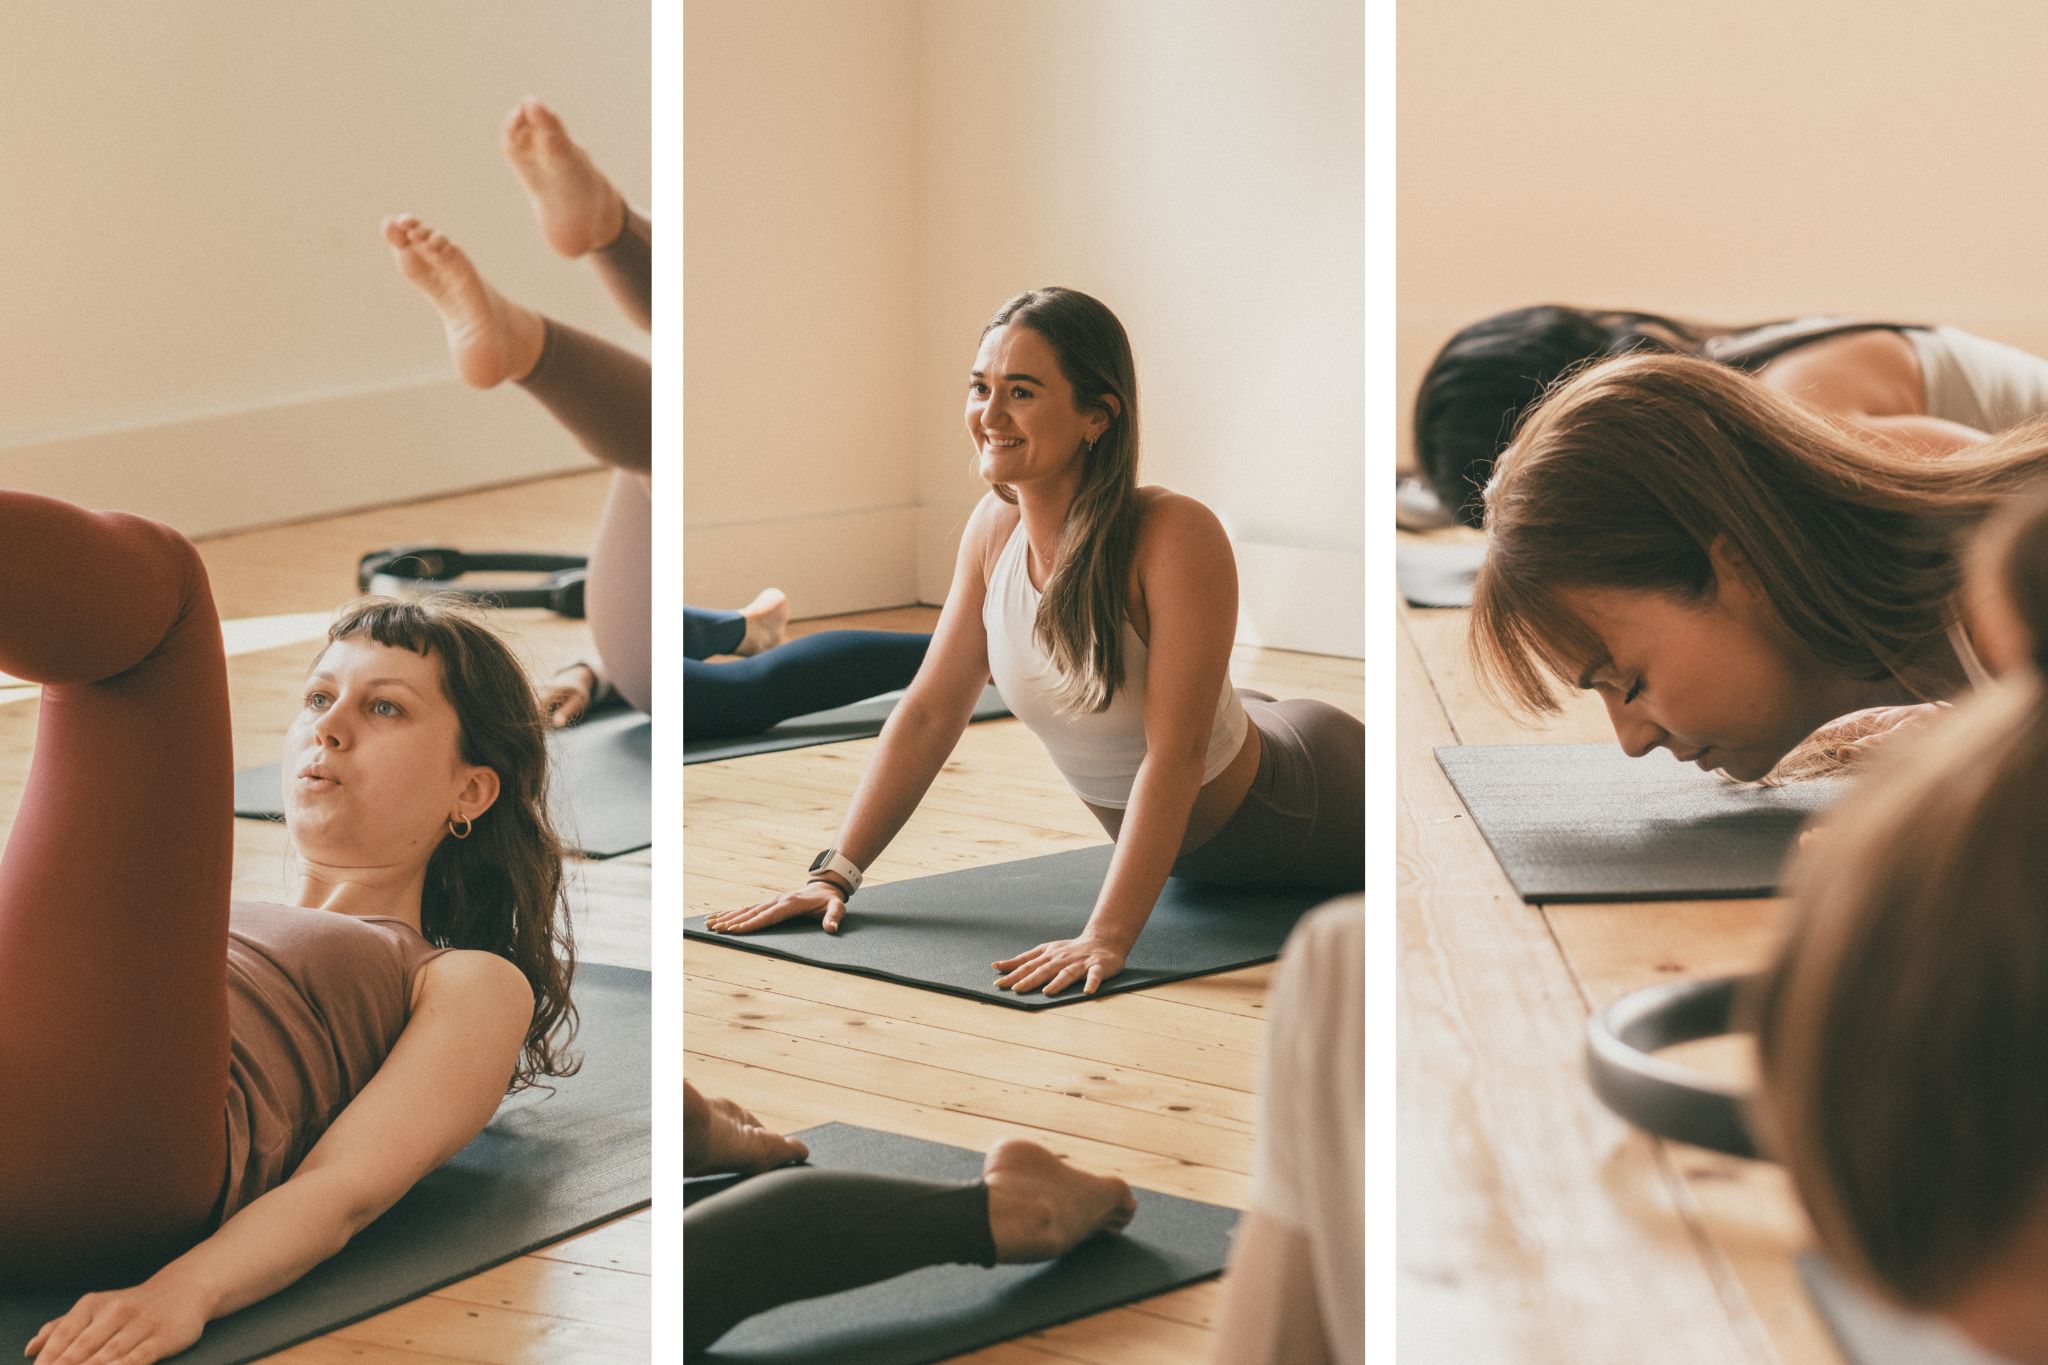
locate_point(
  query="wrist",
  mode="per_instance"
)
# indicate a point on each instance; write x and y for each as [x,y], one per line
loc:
[831,882]
[184,1281]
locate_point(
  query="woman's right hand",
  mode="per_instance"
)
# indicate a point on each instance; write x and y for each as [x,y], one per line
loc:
[567,696]
[813,898]
[133,1326]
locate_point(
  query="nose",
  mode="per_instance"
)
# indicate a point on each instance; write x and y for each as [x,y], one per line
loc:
[1637,733]
[329,730]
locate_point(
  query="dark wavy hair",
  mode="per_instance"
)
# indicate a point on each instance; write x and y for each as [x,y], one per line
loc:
[1081,614]
[499,890]
[1487,377]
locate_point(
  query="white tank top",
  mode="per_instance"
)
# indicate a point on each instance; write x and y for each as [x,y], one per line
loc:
[1098,753]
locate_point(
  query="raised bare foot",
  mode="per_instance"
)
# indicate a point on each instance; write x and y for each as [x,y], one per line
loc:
[1039,1207]
[491,338]
[579,211]
[767,621]
[721,1138]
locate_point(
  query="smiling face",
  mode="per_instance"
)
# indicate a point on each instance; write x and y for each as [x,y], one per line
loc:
[373,767]
[1711,680]
[1020,411]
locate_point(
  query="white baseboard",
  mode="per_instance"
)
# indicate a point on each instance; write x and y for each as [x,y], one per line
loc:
[828,564]
[306,458]
[1307,600]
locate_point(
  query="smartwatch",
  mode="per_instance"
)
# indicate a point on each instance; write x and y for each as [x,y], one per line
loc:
[831,860]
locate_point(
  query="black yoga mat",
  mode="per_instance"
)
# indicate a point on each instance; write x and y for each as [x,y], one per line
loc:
[861,720]
[549,1166]
[601,793]
[1437,573]
[944,1311]
[1874,1333]
[942,932]
[1585,822]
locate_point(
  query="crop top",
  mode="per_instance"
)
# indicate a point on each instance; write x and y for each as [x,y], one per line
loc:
[316,1001]
[1098,753]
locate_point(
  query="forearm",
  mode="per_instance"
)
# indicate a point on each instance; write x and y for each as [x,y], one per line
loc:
[1162,798]
[271,1243]
[914,746]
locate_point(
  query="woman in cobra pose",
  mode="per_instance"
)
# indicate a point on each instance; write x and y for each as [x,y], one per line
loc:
[602,394]
[202,1101]
[1932,389]
[1736,577]
[1105,612]
[1903,1030]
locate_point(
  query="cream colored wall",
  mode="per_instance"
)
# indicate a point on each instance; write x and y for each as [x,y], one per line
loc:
[799,271]
[864,188]
[201,321]
[1735,162]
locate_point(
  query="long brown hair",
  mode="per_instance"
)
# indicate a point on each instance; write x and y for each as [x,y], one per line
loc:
[1903,1031]
[1081,613]
[1629,472]
[500,889]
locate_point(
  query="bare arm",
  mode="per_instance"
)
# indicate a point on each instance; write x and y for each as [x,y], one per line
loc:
[921,732]
[437,1089]
[1188,578]
[1270,1313]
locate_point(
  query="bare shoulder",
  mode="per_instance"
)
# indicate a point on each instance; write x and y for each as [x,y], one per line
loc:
[470,980]
[989,528]
[1173,523]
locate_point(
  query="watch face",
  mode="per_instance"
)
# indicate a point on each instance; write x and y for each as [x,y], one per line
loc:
[820,861]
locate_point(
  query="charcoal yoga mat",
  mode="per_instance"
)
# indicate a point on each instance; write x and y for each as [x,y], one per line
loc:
[944,1311]
[547,1167]
[1874,1333]
[1585,822]
[601,790]
[1437,573]
[861,720]
[942,932]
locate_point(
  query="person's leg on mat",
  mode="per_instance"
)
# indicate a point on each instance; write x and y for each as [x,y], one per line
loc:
[618,592]
[1302,823]
[810,673]
[113,896]
[580,212]
[707,633]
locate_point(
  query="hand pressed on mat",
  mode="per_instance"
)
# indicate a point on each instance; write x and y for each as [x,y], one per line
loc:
[1054,966]
[812,898]
[157,1318]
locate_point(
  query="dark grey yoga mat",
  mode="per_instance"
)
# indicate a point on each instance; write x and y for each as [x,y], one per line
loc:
[944,1311]
[1585,822]
[942,932]
[861,720]
[549,1166]
[602,796]
[1437,573]
[1874,1333]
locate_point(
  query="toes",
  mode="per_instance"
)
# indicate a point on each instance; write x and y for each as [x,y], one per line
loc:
[542,117]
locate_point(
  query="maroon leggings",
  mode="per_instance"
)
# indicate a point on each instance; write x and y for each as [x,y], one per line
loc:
[113,898]
[603,395]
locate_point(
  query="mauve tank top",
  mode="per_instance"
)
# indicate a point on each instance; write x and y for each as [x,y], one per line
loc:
[316,1000]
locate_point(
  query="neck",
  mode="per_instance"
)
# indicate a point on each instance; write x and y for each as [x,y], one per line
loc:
[1043,505]
[365,892]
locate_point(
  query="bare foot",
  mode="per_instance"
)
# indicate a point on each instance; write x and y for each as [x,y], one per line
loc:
[491,338]
[721,1138]
[579,211]
[767,621]
[1039,1207]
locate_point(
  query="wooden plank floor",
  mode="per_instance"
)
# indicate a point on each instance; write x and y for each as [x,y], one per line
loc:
[1155,1086]
[586,1299]
[1533,1225]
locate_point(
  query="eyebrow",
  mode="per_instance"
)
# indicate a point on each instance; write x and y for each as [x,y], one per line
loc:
[1027,378]
[371,682]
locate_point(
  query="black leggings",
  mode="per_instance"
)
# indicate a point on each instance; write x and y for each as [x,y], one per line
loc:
[810,673]
[805,1232]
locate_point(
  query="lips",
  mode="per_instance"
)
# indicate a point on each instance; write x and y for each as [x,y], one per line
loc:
[315,775]
[1002,442]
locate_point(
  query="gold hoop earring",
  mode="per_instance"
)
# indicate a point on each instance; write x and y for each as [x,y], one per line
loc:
[467,827]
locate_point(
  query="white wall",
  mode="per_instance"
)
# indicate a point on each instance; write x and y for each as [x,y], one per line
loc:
[861,203]
[1735,162]
[200,320]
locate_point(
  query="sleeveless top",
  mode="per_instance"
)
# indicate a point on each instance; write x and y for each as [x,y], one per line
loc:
[316,1001]
[1098,753]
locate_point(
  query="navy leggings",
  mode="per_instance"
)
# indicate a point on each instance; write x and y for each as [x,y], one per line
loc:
[810,673]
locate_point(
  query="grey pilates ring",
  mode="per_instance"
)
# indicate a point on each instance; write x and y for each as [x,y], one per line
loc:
[1659,1096]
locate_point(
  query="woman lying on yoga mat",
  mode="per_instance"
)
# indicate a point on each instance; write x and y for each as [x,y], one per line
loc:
[1105,613]
[1927,388]
[601,394]
[1727,570]
[1903,1032]
[204,1101]
[785,1236]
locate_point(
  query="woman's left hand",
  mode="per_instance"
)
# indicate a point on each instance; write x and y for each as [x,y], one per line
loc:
[1052,967]
[133,1326]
